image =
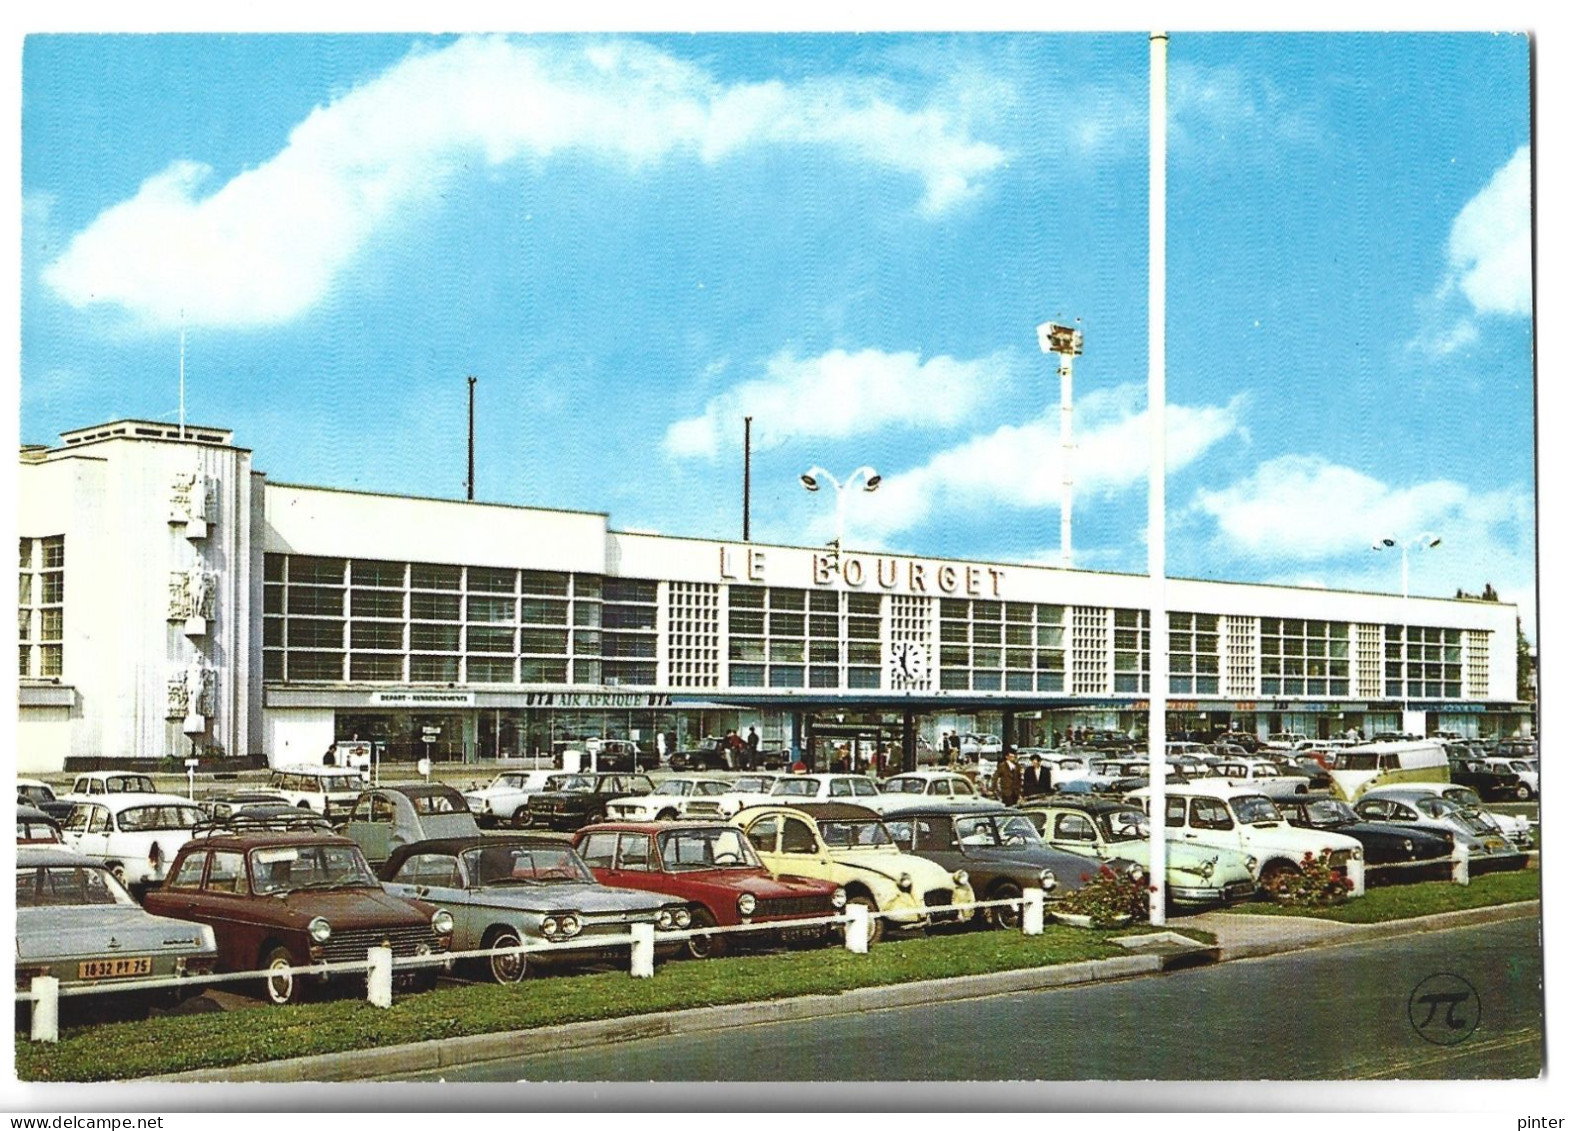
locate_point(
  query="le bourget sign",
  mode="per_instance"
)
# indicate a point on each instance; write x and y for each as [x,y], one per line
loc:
[860,571]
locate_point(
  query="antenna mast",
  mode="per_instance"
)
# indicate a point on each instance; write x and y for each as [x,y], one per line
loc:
[182,374]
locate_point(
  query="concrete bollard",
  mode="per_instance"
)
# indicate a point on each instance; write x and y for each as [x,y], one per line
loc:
[857,928]
[1461,862]
[1032,911]
[1356,870]
[379,976]
[46,1009]
[642,956]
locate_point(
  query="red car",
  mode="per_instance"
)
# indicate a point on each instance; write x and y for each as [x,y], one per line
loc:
[714,867]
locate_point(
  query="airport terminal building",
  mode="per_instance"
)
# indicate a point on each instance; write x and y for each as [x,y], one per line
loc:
[172,600]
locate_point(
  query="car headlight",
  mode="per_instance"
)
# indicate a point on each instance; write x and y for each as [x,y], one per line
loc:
[549,926]
[746,904]
[1251,864]
[1409,845]
[664,920]
[1047,880]
[570,926]
[681,917]
[1206,871]
[904,882]
[319,929]
[1355,854]
[839,898]
[1134,871]
[443,922]
[959,877]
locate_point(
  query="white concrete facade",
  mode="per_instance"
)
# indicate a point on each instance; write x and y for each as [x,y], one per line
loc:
[450,606]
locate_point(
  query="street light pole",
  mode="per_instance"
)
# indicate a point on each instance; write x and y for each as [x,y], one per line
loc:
[812,478]
[1420,542]
[1158,617]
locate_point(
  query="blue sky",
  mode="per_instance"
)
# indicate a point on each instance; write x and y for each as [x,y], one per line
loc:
[632,241]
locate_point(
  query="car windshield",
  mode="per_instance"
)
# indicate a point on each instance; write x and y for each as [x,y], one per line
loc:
[795,787]
[1463,795]
[525,864]
[1329,813]
[129,783]
[1014,829]
[67,885]
[36,792]
[673,788]
[157,818]
[36,831]
[432,803]
[753,785]
[904,785]
[976,832]
[509,781]
[1358,761]
[348,782]
[1255,810]
[573,783]
[280,869]
[854,834]
[1125,824]
[718,846]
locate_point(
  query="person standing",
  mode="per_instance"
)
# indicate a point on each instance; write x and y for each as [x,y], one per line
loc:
[752,754]
[1008,779]
[1035,779]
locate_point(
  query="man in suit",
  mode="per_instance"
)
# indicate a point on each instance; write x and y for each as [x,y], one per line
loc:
[1008,779]
[1035,779]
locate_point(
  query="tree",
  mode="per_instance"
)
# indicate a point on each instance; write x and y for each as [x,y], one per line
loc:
[1525,684]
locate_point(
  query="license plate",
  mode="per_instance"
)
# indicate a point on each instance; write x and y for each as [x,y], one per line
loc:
[1494,844]
[114,967]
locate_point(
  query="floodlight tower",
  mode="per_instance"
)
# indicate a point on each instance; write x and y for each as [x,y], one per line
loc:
[1067,342]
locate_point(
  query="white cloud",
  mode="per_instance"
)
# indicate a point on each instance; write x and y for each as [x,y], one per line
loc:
[1488,263]
[269,243]
[1020,465]
[840,394]
[1223,111]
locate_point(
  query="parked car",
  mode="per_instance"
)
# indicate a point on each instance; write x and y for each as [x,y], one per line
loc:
[795,788]
[392,815]
[34,826]
[1113,832]
[1318,779]
[848,845]
[100,783]
[1528,773]
[31,791]
[668,801]
[714,869]
[711,754]
[280,899]
[134,834]
[223,806]
[77,923]
[503,891]
[571,801]
[1287,740]
[1491,779]
[923,788]
[616,755]
[980,745]
[1262,775]
[1217,812]
[1513,826]
[1489,849]
[507,799]
[998,848]
[1382,842]
[330,790]
[741,792]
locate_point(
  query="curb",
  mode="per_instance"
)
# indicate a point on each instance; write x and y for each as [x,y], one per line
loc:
[371,1064]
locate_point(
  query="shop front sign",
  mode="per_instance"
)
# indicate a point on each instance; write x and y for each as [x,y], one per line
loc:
[424,698]
[871,571]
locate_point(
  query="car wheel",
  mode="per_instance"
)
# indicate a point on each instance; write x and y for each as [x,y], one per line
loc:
[1275,870]
[506,969]
[704,946]
[281,986]
[1007,917]
[667,815]
[521,818]
[876,925]
[1523,792]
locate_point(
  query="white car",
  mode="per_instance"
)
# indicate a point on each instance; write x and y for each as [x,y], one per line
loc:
[668,801]
[980,745]
[329,790]
[101,783]
[1287,741]
[1529,776]
[923,788]
[742,792]
[1262,775]
[1516,827]
[508,797]
[1216,812]
[135,835]
[823,787]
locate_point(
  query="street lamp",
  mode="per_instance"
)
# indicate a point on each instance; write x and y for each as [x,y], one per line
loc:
[1419,542]
[867,476]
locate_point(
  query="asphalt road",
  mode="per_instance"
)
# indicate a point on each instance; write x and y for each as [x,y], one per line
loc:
[1340,1012]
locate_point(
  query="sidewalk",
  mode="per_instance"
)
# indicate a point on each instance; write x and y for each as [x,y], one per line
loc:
[1239,937]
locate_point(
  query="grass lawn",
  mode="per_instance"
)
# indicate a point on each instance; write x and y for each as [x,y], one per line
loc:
[1406,901]
[172,1044]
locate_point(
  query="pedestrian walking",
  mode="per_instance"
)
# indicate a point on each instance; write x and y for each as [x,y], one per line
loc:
[1035,779]
[1008,779]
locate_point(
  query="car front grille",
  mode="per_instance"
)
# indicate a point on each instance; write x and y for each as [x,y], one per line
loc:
[352,945]
[804,905]
[1237,890]
[704,809]
[939,897]
[1339,859]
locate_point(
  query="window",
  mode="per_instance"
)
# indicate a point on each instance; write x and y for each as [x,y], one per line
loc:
[1209,813]
[227,873]
[634,852]
[762,834]
[598,849]
[1073,826]
[189,874]
[798,837]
